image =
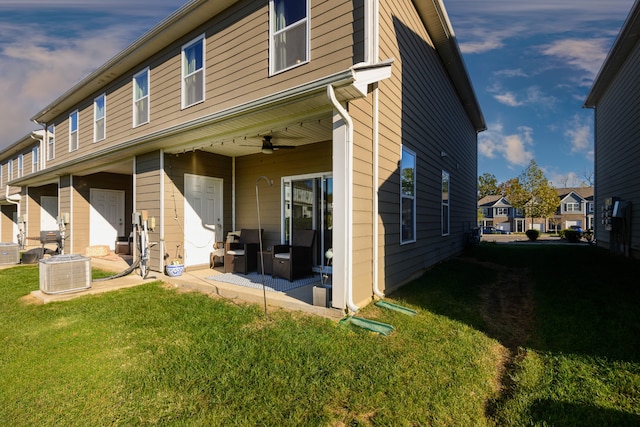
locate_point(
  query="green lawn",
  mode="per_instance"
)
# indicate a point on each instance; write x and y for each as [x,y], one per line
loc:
[153,355]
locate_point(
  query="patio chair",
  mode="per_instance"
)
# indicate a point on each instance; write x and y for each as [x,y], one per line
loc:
[296,260]
[242,256]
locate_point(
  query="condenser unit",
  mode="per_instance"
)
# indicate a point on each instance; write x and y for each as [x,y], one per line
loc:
[9,253]
[65,273]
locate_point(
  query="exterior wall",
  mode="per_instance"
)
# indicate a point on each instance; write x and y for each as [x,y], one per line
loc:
[7,213]
[175,167]
[617,152]
[420,108]
[147,190]
[237,71]
[66,196]
[361,112]
[314,158]
[34,210]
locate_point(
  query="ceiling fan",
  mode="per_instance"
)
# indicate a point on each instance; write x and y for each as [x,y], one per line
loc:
[268,147]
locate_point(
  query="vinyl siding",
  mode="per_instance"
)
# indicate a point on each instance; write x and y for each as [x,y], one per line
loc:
[314,158]
[617,147]
[203,164]
[7,213]
[420,109]
[147,198]
[34,210]
[237,71]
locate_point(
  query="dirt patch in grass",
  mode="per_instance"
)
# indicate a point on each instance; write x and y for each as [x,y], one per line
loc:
[507,306]
[31,300]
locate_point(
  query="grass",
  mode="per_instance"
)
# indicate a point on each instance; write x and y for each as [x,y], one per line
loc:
[156,356]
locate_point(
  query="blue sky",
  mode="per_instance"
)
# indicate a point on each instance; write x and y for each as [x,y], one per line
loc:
[531,63]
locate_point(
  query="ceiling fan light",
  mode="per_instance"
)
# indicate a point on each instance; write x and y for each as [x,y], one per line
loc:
[267,150]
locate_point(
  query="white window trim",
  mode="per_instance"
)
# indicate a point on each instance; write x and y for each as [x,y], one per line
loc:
[51,142]
[10,170]
[204,67]
[448,204]
[148,97]
[413,198]
[77,131]
[104,118]
[20,165]
[35,159]
[1,171]
[273,34]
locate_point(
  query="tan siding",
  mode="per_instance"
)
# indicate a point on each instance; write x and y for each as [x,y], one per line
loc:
[420,110]
[203,164]
[7,213]
[236,72]
[147,191]
[315,158]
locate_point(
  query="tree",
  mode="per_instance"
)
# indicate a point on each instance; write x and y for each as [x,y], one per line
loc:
[532,193]
[487,185]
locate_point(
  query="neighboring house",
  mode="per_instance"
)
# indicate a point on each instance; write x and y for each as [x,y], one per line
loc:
[615,98]
[497,212]
[361,113]
[575,208]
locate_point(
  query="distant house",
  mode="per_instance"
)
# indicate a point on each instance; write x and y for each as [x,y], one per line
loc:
[615,98]
[361,113]
[575,207]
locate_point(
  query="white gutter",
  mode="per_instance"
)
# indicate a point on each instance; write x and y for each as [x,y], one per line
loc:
[348,256]
[376,240]
[162,217]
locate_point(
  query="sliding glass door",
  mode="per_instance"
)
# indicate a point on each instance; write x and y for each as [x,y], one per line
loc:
[307,204]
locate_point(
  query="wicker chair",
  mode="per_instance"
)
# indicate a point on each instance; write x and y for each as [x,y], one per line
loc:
[296,260]
[242,256]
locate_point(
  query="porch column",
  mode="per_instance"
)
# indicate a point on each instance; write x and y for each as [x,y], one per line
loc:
[341,214]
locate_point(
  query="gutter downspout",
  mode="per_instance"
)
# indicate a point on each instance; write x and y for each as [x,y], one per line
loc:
[349,200]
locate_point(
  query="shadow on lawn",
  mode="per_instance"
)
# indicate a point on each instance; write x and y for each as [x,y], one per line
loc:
[554,298]
[554,413]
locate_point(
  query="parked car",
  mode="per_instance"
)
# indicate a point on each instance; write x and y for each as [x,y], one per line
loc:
[577,228]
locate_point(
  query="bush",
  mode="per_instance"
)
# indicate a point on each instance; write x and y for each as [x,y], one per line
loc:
[532,234]
[570,235]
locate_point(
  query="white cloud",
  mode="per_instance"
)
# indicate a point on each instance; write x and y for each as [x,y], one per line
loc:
[518,72]
[532,95]
[582,54]
[514,148]
[580,135]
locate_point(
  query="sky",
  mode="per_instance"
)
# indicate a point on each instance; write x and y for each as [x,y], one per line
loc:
[531,63]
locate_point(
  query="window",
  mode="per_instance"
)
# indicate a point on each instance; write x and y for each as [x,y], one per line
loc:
[20,165]
[408,196]
[10,170]
[51,144]
[1,174]
[193,72]
[572,207]
[99,129]
[289,34]
[445,203]
[141,98]
[502,211]
[73,131]
[35,155]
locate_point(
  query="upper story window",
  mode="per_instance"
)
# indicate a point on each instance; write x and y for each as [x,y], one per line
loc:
[408,196]
[99,111]
[73,131]
[20,165]
[502,211]
[193,72]
[1,176]
[572,207]
[590,208]
[35,156]
[445,203]
[289,34]
[9,170]
[51,143]
[141,98]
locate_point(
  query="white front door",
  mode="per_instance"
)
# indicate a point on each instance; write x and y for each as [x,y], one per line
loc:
[48,213]
[107,217]
[202,217]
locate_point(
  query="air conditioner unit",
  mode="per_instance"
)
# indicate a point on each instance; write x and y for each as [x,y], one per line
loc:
[65,273]
[9,253]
